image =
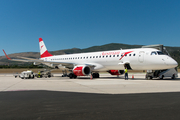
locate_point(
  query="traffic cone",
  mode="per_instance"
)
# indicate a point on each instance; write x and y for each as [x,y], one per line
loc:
[91,77]
[132,76]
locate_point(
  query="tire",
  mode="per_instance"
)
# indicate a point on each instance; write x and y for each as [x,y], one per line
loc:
[162,77]
[71,75]
[146,77]
[173,77]
[74,76]
[95,75]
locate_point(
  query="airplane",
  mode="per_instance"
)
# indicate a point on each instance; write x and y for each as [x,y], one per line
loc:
[114,61]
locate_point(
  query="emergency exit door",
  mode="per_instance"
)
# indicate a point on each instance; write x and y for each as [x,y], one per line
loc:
[141,56]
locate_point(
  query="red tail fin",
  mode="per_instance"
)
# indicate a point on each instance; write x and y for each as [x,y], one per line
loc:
[43,50]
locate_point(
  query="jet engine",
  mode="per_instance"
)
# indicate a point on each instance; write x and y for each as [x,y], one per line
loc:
[81,70]
[116,72]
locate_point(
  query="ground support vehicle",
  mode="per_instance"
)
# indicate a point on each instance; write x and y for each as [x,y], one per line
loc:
[44,73]
[172,73]
[26,75]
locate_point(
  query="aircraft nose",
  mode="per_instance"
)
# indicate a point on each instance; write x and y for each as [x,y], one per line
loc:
[175,64]
[172,63]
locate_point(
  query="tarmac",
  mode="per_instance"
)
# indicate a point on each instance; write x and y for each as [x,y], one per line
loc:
[108,97]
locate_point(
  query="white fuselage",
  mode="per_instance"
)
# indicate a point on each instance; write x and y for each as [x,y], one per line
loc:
[138,59]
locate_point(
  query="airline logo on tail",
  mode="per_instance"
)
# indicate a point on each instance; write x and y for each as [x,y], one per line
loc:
[43,50]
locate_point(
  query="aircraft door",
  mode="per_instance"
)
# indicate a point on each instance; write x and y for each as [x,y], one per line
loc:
[141,56]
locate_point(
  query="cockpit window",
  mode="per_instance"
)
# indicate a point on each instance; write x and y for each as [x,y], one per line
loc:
[160,53]
[153,53]
[157,53]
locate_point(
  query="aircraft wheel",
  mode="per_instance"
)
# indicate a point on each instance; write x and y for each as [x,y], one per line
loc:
[75,76]
[162,77]
[95,75]
[71,75]
[173,77]
[149,77]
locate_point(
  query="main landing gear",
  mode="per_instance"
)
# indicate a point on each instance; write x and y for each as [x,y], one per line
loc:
[72,75]
[95,75]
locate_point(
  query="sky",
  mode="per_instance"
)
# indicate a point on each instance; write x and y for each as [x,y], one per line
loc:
[65,24]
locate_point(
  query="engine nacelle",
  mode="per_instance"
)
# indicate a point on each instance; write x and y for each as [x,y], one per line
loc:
[81,70]
[116,72]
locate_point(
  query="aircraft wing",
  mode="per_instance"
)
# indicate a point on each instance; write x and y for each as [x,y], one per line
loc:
[27,58]
[22,60]
[48,63]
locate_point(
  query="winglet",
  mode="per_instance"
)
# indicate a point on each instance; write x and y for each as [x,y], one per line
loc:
[6,55]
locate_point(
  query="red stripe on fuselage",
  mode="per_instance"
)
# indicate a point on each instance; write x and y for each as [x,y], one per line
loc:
[125,54]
